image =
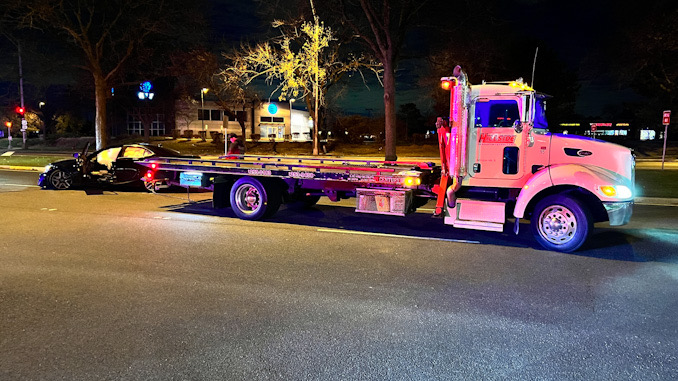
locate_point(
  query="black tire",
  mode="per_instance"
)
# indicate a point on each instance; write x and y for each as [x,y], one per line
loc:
[220,196]
[561,223]
[60,180]
[303,202]
[250,200]
[309,201]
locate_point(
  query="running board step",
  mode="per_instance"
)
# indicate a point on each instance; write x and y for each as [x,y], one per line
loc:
[477,215]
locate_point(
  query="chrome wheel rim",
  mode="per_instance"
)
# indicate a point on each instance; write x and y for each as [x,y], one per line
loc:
[248,199]
[61,180]
[557,224]
[150,186]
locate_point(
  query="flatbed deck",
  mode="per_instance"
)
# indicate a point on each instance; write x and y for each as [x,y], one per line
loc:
[292,167]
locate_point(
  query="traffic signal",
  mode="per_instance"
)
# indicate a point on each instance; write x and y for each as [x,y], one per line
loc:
[20,110]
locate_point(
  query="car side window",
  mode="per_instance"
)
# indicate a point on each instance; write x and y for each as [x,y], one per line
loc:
[108,156]
[136,152]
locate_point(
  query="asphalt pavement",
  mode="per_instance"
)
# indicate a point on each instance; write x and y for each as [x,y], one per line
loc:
[138,286]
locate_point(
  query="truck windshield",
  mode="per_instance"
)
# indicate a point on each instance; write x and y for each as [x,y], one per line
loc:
[496,113]
[540,115]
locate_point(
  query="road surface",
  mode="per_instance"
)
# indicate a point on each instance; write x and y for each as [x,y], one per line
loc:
[136,286]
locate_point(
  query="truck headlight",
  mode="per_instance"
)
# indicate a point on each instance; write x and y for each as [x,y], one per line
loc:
[617,191]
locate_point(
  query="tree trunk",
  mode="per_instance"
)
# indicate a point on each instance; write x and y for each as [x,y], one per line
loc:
[389,113]
[147,131]
[100,126]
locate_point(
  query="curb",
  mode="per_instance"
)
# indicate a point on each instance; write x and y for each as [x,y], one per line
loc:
[658,201]
[22,168]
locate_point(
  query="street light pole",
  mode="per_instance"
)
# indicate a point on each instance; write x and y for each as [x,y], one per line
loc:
[203,91]
[24,125]
[292,100]
[9,134]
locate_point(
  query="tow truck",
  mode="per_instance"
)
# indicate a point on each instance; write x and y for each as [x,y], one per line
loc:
[498,161]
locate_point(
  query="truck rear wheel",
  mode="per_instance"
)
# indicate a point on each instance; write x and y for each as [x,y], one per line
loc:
[251,200]
[561,223]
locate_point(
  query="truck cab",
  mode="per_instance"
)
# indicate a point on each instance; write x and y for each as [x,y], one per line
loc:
[501,160]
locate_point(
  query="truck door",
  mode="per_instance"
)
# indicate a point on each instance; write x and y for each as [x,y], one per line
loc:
[496,151]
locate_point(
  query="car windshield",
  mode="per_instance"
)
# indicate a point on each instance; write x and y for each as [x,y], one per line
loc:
[496,113]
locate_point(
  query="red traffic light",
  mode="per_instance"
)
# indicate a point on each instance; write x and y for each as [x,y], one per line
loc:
[20,110]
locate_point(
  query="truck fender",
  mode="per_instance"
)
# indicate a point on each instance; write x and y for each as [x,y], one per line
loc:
[539,181]
[588,177]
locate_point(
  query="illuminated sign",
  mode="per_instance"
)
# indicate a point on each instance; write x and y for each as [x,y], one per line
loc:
[272,109]
[145,91]
[666,118]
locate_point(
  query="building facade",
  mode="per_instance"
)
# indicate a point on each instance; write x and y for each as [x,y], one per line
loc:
[269,121]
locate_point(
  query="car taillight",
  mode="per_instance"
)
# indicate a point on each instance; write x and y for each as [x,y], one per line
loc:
[149,175]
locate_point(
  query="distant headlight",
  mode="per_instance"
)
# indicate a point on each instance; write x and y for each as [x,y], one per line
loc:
[617,191]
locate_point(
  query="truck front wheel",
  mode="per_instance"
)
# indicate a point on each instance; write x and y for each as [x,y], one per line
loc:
[250,200]
[561,223]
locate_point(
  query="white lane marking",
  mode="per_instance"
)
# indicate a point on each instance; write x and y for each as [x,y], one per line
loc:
[395,235]
[8,153]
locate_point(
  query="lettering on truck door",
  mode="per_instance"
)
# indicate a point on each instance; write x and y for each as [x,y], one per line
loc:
[497,152]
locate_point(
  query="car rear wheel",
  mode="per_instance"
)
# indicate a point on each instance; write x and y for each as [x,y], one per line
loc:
[60,180]
[152,186]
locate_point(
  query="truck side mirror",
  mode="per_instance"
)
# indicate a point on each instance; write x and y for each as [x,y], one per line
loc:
[518,126]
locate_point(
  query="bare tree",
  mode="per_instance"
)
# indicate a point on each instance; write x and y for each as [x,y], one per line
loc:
[200,69]
[305,61]
[382,25]
[111,35]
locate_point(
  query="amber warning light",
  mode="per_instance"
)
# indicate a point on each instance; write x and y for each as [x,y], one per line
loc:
[447,83]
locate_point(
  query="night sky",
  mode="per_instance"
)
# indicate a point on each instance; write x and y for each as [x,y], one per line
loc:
[578,31]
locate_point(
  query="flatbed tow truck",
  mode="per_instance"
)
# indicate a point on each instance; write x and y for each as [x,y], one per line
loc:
[497,160]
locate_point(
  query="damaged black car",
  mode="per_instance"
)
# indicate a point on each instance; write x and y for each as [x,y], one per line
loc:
[110,166]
